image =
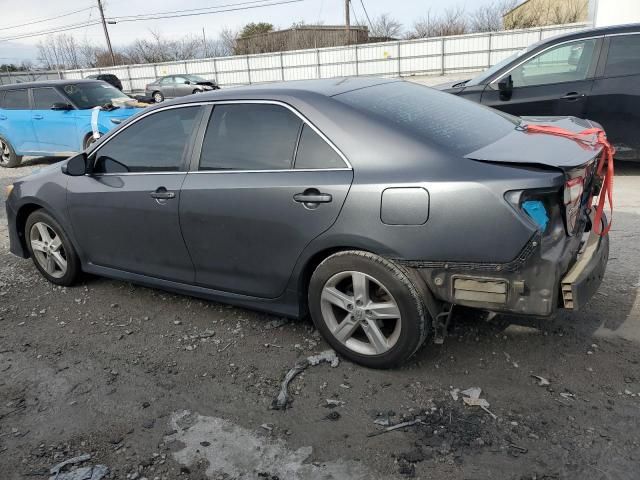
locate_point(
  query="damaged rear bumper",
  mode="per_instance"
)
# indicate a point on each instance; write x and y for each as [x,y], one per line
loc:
[544,277]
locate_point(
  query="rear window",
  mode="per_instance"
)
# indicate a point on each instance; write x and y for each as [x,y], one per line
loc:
[458,125]
[16,100]
[624,56]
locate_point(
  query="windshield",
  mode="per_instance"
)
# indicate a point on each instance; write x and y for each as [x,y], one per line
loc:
[491,70]
[196,78]
[94,94]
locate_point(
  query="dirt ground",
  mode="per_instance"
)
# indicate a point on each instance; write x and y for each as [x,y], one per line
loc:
[160,386]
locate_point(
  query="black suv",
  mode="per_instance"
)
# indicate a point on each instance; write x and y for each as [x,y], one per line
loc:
[109,78]
[592,74]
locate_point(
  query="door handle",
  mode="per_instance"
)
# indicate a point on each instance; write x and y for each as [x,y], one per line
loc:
[38,117]
[312,197]
[162,194]
[573,96]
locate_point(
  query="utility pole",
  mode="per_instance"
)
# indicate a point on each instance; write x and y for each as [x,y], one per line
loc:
[106,33]
[347,21]
[204,43]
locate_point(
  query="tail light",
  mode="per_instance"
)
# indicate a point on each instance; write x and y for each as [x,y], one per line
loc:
[573,193]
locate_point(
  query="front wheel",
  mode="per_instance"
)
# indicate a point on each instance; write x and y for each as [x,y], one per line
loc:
[368,309]
[50,248]
[8,157]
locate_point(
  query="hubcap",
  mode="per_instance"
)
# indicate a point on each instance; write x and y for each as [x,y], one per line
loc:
[48,249]
[157,97]
[5,153]
[360,313]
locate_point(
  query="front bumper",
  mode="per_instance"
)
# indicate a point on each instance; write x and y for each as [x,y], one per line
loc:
[562,273]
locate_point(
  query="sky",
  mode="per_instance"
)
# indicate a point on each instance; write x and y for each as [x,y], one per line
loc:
[310,11]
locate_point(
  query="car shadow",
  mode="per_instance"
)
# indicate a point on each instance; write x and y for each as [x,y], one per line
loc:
[40,161]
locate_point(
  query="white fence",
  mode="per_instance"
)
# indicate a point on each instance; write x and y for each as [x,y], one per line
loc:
[427,56]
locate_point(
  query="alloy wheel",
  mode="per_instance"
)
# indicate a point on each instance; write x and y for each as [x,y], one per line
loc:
[48,249]
[5,153]
[360,313]
[158,98]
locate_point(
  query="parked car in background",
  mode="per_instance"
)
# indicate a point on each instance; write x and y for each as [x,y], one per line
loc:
[173,86]
[109,78]
[593,74]
[53,118]
[350,199]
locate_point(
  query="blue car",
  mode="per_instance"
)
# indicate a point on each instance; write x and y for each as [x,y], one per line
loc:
[54,118]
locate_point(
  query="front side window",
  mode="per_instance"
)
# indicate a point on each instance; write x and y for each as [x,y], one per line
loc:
[624,56]
[179,79]
[157,143]
[314,152]
[44,98]
[16,100]
[93,94]
[250,137]
[568,62]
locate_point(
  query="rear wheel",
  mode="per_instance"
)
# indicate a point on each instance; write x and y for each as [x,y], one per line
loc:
[368,309]
[50,248]
[8,157]
[158,97]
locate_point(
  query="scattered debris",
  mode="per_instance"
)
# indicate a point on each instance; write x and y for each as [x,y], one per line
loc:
[267,426]
[454,394]
[331,403]
[391,428]
[94,472]
[542,382]
[282,400]
[334,416]
[471,397]
[567,395]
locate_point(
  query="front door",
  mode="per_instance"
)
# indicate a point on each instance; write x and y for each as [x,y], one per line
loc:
[615,98]
[55,129]
[249,210]
[181,87]
[557,81]
[125,214]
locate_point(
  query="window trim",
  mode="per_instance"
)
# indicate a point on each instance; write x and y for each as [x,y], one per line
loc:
[197,140]
[590,73]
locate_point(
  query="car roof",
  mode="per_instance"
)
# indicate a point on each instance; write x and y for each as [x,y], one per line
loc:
[594,32]
[46,83]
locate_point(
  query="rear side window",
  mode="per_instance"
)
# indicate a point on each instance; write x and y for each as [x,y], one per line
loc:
[456,124]
[156,143]
[44,98]
[16,100]
[250,137]
[624,56]
[314,152]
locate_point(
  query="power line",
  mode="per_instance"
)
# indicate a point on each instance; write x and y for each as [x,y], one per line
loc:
[47,19]
[159,17]
[367,14]
[48,32]
[141,15]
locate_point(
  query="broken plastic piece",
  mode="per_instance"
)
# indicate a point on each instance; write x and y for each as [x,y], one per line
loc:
[542,382]
[95,472]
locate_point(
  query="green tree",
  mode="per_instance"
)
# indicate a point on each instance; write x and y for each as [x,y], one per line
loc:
[255,29]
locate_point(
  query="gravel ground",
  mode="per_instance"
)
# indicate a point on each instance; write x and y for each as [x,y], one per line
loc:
[160,386]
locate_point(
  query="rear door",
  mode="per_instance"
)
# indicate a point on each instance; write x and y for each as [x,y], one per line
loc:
[615,98]
[55,129]
[248,210]
[15,121]
[125,214]
[556,81]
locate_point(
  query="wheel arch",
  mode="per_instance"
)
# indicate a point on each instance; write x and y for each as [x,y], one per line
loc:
[21,222]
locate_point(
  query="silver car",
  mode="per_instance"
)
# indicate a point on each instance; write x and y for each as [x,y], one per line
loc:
[374,206]
[173,86]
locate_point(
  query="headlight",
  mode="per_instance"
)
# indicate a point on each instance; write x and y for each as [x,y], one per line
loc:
[7,190]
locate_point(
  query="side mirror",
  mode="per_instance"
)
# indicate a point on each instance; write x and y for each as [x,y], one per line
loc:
[76,166]
[505,86]
[61,106]
[187,82]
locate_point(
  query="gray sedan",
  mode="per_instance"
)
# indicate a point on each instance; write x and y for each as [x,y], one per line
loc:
[173,86]
[376,206]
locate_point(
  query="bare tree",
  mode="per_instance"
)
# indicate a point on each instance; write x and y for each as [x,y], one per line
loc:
[385,26]
[571,11]
[488,18]
[452,22]
[227,39]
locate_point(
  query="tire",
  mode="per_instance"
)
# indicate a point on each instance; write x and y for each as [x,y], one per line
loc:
[351,323]
[88,140]
[158,97]
[196,91]
[8,157]
[42,250]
